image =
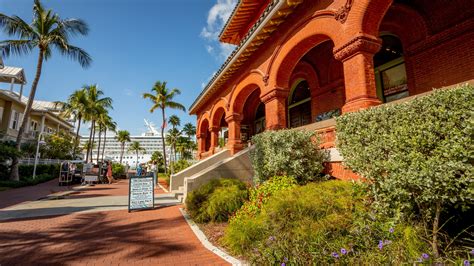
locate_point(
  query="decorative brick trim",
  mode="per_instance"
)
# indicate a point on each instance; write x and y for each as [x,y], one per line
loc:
[359,44]
[343,12]
[273,94]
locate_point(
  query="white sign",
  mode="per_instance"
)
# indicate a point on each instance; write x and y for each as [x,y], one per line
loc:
[141,194]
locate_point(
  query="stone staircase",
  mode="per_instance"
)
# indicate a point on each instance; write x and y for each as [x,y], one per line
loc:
[237,166]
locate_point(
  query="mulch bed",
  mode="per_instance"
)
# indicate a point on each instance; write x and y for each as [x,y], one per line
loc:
[214,232]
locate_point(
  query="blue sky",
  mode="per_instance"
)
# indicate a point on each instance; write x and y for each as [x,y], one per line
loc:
[133,44]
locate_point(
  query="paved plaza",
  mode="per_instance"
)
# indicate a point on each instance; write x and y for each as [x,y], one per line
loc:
[91,225]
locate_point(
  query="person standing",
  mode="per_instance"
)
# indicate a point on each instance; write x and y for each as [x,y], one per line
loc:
[153,169]
[139,170]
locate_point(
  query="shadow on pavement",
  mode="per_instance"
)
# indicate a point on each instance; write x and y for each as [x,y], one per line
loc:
[89,236]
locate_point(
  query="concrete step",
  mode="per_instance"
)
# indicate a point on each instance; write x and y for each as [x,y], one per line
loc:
[179,195]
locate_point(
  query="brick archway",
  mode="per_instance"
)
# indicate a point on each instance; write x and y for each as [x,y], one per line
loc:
[305,36]
[243,89]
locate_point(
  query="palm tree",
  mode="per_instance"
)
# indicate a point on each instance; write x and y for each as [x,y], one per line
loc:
[171,138]
[122,137]
[46,32]
[102,118]
[189,130]
[75,106]
[174,121]
[135,146]
[95,106]
[111,126]
[162,98]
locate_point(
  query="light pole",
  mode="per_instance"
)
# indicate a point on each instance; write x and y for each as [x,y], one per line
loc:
[37,151]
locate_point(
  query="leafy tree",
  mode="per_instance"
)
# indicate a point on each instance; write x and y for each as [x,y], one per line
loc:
[122,137]
[8,151]
[59,145]
[171,138]
[162,97]
[157,157]
[135,147]
[108,125]
[46,32]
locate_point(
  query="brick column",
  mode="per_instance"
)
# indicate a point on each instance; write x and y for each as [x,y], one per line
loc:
[275,108]
[359,79]
[234,143]
[214,138]
[201,142]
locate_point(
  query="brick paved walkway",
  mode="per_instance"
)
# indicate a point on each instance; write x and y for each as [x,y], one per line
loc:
[19,195]
[155,237]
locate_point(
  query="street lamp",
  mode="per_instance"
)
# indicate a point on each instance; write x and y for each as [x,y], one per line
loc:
[40,142]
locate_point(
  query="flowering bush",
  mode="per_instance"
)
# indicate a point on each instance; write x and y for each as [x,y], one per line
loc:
[320,223]
[216,200]
[418,155]
[287,152]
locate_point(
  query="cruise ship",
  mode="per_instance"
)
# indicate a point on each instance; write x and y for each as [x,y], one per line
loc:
[150,141]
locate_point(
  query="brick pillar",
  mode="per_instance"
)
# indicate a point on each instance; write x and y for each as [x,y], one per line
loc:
[201,144]
[214,138]
[275,108]
[234,142]
[357,58]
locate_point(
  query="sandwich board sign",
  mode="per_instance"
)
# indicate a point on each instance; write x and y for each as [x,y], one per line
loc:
[141,195]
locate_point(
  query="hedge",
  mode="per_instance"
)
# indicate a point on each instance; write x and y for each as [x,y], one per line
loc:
[418,156]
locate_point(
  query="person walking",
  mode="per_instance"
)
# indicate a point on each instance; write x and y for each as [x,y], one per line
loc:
[109,172]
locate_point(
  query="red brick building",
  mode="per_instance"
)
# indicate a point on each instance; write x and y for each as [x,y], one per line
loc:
[302,62]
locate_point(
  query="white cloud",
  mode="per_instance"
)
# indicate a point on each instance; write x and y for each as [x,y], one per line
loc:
[128,92]
[216,19]
[203,84]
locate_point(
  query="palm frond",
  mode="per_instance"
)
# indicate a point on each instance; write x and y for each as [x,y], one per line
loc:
[75,53]
[16,47]
[176,105]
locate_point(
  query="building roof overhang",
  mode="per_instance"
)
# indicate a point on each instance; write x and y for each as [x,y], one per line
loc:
[273,15]
[8,73]
[243,14]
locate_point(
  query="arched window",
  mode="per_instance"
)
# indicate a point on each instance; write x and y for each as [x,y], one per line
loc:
[299,105]
[390,72]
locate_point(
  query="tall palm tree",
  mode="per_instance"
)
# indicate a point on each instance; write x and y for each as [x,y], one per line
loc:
[174,121]
[135,146]
[122,137]
[171,138]
[46,32]
[75,106]
[95,106]
[102,118]
[109,125]
[162,97]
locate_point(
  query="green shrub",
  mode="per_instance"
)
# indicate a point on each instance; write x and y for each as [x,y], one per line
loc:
[26,171]
[306,224]
[180,165]
[204,206]
[287,152]
[29,181]
[418,155]
[118,170]
[225,201]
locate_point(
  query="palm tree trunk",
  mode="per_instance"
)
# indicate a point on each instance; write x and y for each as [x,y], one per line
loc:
[121,152]
[136,164]
[93,138]
[77,137]
[14,167]
[90,143]
[103,146]
[98,146]
[163,137]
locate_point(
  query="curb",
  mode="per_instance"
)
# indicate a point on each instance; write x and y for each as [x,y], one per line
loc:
[162,187]
[200,235]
